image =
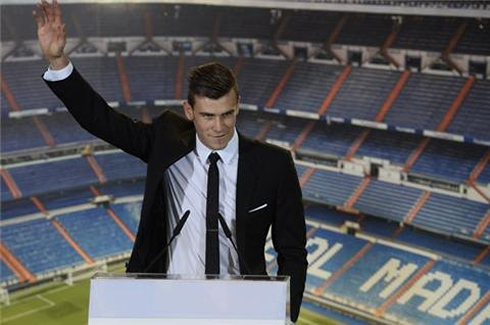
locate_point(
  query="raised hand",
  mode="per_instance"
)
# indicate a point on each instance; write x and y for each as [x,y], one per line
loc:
[51,33]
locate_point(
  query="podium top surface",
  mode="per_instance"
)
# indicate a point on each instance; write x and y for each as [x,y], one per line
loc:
[161,276]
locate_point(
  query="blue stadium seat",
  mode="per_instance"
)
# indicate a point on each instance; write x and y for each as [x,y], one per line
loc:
[96,233]
[39,253]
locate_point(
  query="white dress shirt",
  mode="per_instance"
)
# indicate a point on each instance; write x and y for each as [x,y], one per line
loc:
[186,188]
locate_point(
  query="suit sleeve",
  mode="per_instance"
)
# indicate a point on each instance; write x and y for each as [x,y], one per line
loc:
[93,113]
[289,234]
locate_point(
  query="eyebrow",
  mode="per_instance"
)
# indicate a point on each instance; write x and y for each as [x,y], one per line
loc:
[211,114]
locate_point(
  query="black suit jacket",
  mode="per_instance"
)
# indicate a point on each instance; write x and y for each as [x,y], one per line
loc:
[266,175]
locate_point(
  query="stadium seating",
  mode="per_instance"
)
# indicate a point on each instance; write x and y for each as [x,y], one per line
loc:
[129,213]
[472,118]
[102,74]
[39,253]
[6,273]
[258,79]
[25,81]
[363,93]
[390,201]
[333,139]
[12,128]
[427,33]
[51,176]
[330,188]
[63,183]
[424,101]
[367,30]
[151,78]
[16,208]
[447,160]
[120,166]
[285,129]
[310,83]
[451,215]
[474,40]
[96,233]
[389,145]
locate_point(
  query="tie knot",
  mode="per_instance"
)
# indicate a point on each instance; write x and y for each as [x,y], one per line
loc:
[214,157]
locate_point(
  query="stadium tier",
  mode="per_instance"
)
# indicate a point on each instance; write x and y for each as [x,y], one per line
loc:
[397,215]
[330,187]
[39,253]
[96,233]
[390,201]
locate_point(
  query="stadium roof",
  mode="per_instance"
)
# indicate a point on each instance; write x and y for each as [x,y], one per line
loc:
[472,9]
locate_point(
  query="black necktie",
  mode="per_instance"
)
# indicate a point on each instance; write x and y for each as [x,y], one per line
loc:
[212,204]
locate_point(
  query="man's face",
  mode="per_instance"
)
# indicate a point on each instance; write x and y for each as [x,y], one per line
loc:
[214,119]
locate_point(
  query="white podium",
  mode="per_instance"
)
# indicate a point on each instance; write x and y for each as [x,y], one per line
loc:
[163,299]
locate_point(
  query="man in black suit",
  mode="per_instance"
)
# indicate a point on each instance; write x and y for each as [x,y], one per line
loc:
[262,188]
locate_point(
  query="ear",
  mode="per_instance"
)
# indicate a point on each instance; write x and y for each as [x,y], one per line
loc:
[188,111]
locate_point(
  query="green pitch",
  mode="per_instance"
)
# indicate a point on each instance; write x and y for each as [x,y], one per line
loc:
[60,304]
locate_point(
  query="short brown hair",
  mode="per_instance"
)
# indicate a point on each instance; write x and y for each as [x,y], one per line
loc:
[212,80]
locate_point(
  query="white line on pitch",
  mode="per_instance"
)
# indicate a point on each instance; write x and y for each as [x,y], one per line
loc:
[32,311]
[46,300]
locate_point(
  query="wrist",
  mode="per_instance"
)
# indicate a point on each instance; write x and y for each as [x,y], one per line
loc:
[58,63]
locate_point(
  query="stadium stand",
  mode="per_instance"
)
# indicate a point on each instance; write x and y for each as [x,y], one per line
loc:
[6,273]
[363,93]
[451,215]
[39,253]
[472,118]
[431,34]
[97,234]
[450,161]
[43,177]
[330,187]
[308,86]
[387,200]
[129,214]
[422,238]
[333,139]
[424,101]
[389,145]
[151,78]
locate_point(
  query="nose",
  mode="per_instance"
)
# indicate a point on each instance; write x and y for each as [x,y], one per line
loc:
[218,124]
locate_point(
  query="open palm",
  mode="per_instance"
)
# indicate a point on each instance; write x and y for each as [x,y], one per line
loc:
[50,29]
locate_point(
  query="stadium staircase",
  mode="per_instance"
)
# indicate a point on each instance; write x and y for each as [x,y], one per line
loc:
[123,78]
[14,105]
[453,43]
[334,90]
[280,86]
[96,169]
[332,38]
[180,76]
[72,242]
[416,208]
[15,265]
[11,185]
[387,44]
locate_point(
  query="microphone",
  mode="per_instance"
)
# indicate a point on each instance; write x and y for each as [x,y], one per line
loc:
[227,231]
[175,233]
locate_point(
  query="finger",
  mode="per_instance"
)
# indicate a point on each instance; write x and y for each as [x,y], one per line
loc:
[57,12]
[38,18]
[45,9]
[48,11]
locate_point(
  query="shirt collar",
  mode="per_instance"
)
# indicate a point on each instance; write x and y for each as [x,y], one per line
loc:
[227,154]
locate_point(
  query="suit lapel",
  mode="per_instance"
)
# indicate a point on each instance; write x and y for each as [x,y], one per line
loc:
[246,183]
